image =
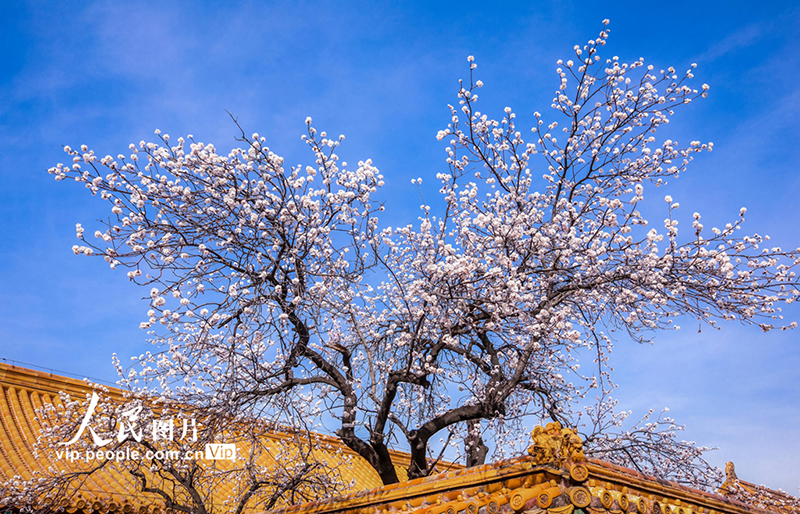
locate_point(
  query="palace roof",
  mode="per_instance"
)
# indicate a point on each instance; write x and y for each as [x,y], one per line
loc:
[555,478]
[24,391]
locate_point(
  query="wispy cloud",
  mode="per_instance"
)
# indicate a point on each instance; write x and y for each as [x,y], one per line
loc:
[742,38]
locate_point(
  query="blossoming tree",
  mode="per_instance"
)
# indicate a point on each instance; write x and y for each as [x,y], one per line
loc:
[272,284]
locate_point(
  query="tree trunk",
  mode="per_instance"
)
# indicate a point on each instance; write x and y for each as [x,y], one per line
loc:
[475,447]
[419,459]
[385,466]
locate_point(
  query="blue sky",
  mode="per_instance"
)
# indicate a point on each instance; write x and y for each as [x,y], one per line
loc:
[106,75]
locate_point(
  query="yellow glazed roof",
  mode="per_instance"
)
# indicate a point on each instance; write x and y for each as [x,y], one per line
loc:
[758,495]
[555,479]
[25,390]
